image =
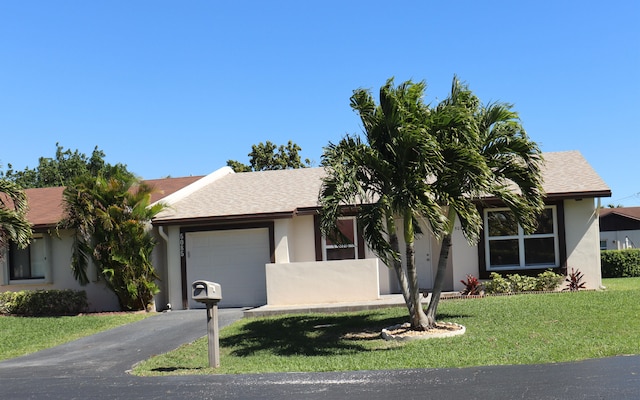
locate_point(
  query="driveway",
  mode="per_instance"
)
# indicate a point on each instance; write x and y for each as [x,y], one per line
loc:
[95,368]
[114,352]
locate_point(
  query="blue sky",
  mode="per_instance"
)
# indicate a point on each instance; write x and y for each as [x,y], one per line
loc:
[177,88]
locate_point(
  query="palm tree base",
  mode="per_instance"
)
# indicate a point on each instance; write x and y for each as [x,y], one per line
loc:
[441,330]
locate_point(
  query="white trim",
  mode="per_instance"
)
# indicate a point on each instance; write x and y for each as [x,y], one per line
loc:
[195,186]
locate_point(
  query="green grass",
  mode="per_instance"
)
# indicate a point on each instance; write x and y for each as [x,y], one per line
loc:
[521,329]
[24,335]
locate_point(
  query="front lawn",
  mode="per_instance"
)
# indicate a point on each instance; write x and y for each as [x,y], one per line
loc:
[23,335]
[520,329]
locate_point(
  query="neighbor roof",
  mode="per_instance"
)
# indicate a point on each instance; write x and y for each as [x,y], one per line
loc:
[46,206]
[283,193]
[627,212]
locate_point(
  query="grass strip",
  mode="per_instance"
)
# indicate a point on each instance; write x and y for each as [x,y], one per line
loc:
[24,335]
[521,329]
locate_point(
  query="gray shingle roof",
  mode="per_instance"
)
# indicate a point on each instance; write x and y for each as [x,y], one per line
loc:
[283,192]
[568,173]
[250,193]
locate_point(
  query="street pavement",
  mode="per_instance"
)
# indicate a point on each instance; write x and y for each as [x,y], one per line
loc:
[96,368]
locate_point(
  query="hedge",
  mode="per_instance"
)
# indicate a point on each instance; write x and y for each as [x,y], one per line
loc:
[620,263]
[33,303]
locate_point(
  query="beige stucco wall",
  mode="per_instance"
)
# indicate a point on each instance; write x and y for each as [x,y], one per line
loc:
[463,258]
[172,281]
[294,239]
[59,276]
[583,240]
[322,282]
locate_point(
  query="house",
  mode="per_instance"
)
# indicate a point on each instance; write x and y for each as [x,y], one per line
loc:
[619,228]
[45,264]
[257,234]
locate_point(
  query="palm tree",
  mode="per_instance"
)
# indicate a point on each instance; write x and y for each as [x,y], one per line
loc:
[496,158]
[386,178]
[14,226]
[420,162]
[110,218]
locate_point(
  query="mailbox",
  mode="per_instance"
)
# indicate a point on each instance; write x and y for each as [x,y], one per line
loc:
[206,292]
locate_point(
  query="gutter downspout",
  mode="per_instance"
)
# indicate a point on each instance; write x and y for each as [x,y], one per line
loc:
[165,237]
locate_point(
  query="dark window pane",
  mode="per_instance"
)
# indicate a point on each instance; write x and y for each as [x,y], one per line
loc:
[545,222]
[19,265]
[539,251]
[341,253]
[345,226]
[504,252]
[502,223]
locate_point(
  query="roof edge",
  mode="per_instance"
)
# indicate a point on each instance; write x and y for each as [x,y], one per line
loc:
[197,185]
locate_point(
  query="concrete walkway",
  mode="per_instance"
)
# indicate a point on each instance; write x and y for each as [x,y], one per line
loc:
[391,300]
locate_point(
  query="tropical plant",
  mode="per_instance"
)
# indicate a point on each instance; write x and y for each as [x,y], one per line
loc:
[14,226]
[472,286]
[493,156]
[385,176]
[575,281]
[110,218]
[430,163]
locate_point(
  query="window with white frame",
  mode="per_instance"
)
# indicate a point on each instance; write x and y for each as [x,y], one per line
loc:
[28,263]
[508,247]
[347,248]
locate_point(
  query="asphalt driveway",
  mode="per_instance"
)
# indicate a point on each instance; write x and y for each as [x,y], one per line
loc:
[114,352]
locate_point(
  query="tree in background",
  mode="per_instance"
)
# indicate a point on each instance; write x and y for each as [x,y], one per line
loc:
[14,226]
[267,156]
[427,163]
[61,170]
[110,217]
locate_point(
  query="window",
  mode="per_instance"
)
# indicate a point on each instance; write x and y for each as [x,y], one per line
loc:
[603,245]
[507,247]
[29,263]
[348,250]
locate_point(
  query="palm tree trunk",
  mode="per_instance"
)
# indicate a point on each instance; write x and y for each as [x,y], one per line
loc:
[419,319]
[397,264]
[439,280]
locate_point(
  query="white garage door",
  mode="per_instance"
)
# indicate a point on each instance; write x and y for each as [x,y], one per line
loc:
[233,258]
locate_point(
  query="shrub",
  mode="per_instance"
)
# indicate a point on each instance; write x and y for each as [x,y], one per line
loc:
[473,287]
[514,283]
[43,302]
[574,281]
[548,281]
[497,284]
[522,283]
[620,263]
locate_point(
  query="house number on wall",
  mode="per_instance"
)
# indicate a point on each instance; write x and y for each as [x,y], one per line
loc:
[181,245]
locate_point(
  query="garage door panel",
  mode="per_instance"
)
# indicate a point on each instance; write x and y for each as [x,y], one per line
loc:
[233,258]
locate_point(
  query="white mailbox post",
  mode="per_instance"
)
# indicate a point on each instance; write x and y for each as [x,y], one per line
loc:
[210,293]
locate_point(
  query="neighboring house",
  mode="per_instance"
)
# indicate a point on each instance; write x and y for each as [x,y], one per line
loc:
[257,234]
[46,263]
[619,228]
